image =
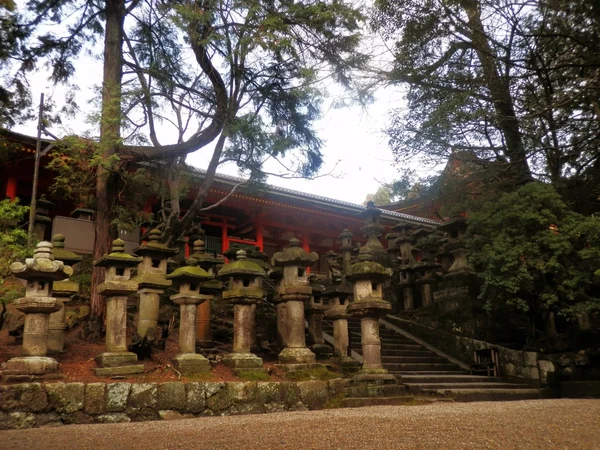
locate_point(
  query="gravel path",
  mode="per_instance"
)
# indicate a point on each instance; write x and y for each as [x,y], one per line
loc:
[543,424]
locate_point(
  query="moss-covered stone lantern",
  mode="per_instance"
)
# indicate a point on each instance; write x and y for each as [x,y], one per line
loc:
[405,241]
[117,287]
[276,274]
[367,277]
[63,290]
[314,309]
[40,272]
[372,229]
[244,289]
[151,280]
[214,287]
[426,268]
[338,295]
[347,248]
[264,262]
[188,281]
[455,229]
[294,289]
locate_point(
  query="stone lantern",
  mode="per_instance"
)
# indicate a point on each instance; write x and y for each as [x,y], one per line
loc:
[263,261]
[427,267]
[63,291]
[338,295]
[372,229]
[347,248]
[188,281]
[405,244]
[117,286]
[276,274]
[456,228]
[151,280]
[294,290]
[367,277]
[244,289]
[214,287]
[314,309]
[42,217]
[40,272]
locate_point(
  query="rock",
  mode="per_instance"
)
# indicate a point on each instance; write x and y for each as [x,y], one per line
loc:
[171,396]
[337,386]
[143,395]
[314,394]
[49,419]
[71,319]
[84,311]
[213,388]
[251,408]
[582,359]
[291,394]
[116,396]
[113,418]
[173,415]
[142,414]
[95,398]
[242,392]
[77,417]
[269,392]
[19,420]
[25,397]
[220,401]
[65,397]
[195,400]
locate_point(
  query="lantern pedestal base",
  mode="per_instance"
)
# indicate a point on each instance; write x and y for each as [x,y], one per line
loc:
[187,363]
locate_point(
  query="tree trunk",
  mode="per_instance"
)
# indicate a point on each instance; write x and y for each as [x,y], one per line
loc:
[499,87]
[110,140]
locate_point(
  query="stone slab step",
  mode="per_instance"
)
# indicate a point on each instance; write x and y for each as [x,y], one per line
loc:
[404,347]
[484,395]
[406,352]
[413,359]
[449,377]
[415,388]
[375,390]
[412,367]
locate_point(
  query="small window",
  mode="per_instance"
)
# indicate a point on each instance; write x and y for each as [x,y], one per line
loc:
[155,262]
[193,287]
[41,286]
[317,300]
[342,301]
[374,287]
[246,283]
[120,271]
[301,273]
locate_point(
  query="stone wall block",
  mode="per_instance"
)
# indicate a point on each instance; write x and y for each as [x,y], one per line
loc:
[251,408]
[116,396]
[17,420]
[220,401]
[547,372]
[213,388]
[142,395]
[314,394]
[290,392]
[113,418]
[171,395]
[242,392]
[95,398]
[65,397]
[269,392]
[77,417]
[195,397]
[337,386]
[48,419]
[26,397]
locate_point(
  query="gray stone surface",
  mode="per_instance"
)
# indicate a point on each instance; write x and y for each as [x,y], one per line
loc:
[116,396]
[195,397]
[142,395]
[26,397]
[171,396]
[65,397]
[95,398]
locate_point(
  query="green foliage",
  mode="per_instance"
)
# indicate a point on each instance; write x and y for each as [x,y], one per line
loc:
[534,254]
[252,375]
[13,245]
[318,373]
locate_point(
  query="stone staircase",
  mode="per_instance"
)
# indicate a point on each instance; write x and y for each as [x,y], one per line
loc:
[427,374]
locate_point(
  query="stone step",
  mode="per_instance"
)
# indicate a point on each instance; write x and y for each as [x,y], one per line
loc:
[415,388]
[406,352]
[375,390]
[428,372]
[404,347]
[484,395]
[448,377]
[412,367]
[393,342]
[413,359]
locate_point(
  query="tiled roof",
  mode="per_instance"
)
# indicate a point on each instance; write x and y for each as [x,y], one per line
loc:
[353,207]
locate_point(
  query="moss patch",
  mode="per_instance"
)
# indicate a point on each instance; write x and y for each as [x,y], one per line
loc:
[335,402]
[318,373]
[250,375]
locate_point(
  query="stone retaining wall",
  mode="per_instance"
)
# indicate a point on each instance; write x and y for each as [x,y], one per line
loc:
[52,404]
[532,367]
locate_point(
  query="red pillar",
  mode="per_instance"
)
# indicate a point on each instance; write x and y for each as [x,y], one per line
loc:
[224,237]
[11,187]
[259,234]
[306,246]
